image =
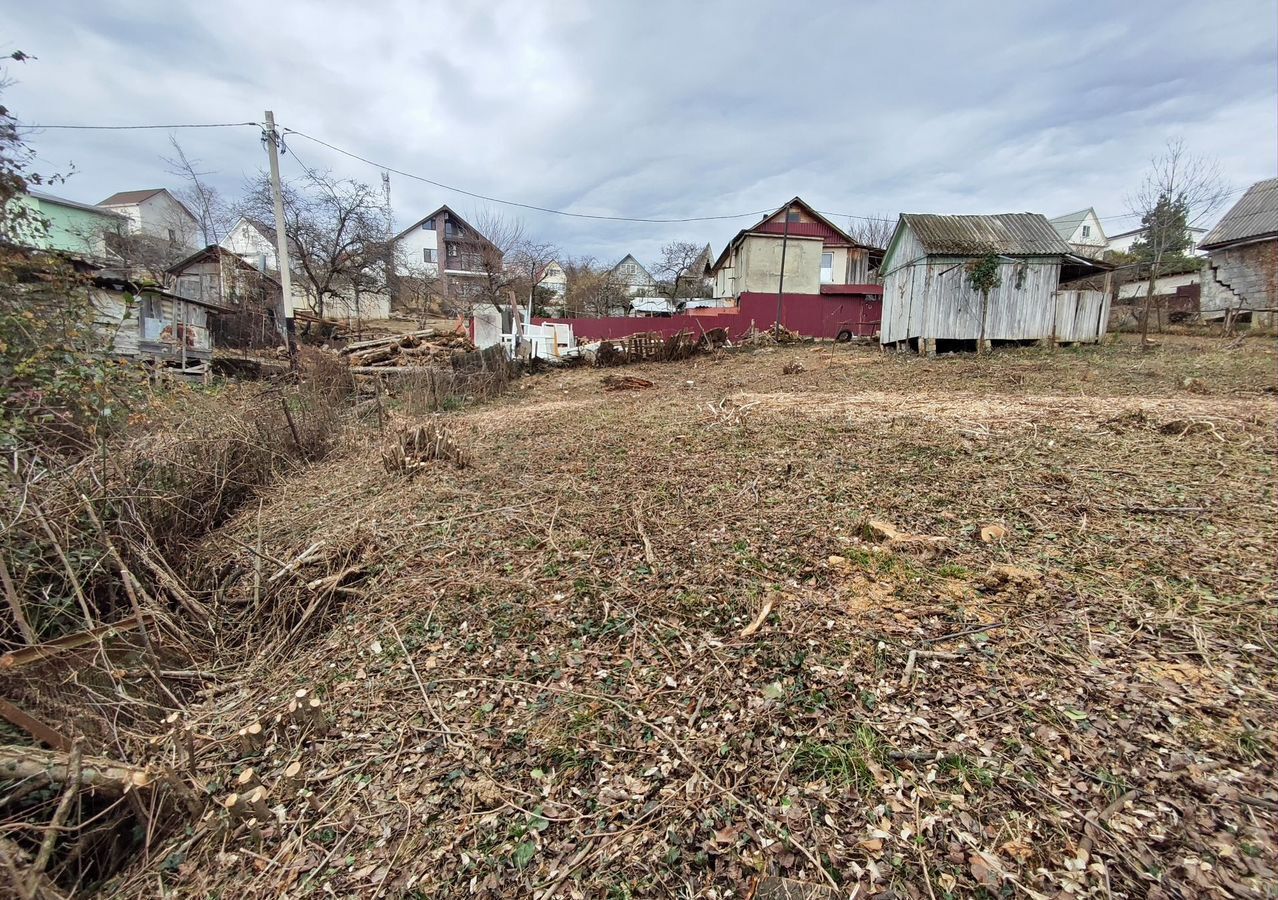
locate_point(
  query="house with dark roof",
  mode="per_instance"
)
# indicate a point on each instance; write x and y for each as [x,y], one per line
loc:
[446,248]
[1082,230]
[1242,259]
[928,297]
[820,257]
[156,213]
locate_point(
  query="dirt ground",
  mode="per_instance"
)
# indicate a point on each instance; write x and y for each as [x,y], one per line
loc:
[885,626]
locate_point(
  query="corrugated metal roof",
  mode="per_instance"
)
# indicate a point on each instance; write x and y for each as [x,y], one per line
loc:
[128,198]
[1015,234]
[1255,215]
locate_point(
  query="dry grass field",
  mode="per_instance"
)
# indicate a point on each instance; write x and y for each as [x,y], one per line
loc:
[882,626]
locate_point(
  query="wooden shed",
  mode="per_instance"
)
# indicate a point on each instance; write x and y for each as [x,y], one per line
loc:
[145,322]
[927,297]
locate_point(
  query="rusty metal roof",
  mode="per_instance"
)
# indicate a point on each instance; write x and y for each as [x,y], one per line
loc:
[1255,215]
[1014,234]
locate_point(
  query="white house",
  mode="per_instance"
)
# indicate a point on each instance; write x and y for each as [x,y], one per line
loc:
[636,279]
[157,213]
[554,278]
[1082,230]
[446,247]
[1122,243]
[255,242]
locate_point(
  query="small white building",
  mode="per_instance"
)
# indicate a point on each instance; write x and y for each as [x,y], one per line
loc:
[1082,230]
[157,213]
[254,241]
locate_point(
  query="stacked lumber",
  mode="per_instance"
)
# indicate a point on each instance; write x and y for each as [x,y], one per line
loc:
[417,348]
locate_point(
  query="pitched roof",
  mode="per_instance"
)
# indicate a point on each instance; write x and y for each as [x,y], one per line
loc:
[219,252]
[631,257]
[452,215]
[1015,234]
[128,198]
[1253,216]
[1067,224]
[62,201]
[823,228]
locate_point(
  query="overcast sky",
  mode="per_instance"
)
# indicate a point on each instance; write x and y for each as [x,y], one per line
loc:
[662,109]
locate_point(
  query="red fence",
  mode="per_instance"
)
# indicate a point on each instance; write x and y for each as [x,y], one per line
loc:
[855,309]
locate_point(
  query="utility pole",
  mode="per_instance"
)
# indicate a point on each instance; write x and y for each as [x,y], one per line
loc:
[785,239]
[271,137]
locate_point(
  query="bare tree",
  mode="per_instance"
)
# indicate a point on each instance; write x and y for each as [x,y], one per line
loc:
[210,208]
[594,291]
[528,261]
[336,231]
[484,254]
[416,287]
[676,270]
[872,231]
[1178,189]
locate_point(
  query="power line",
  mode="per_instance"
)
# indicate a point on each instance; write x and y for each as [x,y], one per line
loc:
[144,127]
[530,206]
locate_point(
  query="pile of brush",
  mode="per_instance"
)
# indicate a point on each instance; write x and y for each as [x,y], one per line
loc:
[413,447]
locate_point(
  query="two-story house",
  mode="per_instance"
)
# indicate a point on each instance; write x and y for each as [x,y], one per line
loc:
[445,247]
[156,213]
[631,274]
[820,257]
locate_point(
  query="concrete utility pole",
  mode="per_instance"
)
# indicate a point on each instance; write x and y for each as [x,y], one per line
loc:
[271,137]
[785,239]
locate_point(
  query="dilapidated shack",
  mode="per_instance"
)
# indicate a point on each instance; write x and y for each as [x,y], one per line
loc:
[928,297]
[145,322]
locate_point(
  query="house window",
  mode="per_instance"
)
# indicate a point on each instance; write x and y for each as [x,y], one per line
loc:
[430,255]
[792,215]
[172,236]
[827,268]
[1087,231]
[628,269]
[451,230]
[452,251]
[428,225]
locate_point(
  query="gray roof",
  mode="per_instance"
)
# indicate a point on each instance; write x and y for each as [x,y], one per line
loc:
[1255,215]
[62,201]
[1067,224]
[1014,234]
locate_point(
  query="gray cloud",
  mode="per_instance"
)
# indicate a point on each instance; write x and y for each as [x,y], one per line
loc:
[664,109]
